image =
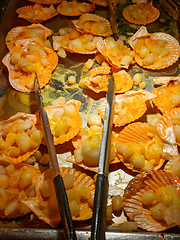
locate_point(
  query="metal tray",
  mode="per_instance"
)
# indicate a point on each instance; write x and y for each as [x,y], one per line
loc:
[11,102]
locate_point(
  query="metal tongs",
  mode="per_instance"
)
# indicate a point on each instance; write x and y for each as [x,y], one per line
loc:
[61,195]
[98,226]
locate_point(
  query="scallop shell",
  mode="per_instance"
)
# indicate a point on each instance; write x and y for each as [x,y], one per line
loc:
[98,80]
[116,60]
[34,14]
[76,122]
[102,3]
[47,2]
[49,214]
[89,132]
[75,10]
[132,199]
[170,43]
[128,107]
[167,96]
[91,19]
[58,42]
[147,8]
[23,31]
[14,193]
[141,133]
[19,82]
[5,128]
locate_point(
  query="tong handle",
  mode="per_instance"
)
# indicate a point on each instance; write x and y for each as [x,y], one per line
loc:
[98,227]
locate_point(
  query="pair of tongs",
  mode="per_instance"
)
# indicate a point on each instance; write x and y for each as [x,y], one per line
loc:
[98,226]
[61,195]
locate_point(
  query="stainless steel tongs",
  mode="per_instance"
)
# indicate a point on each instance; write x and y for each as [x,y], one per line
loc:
[58,181]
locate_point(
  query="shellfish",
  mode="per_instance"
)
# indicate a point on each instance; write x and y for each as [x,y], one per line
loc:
[154,50]
[27,57]
[37,13]
[141,13]
[159,185]
[20,137]
[94,24]
[128,107]
[44,204]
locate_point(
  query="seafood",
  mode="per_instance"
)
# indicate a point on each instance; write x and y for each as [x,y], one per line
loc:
[20,137]
[65,120]
[14,179]
[154,50]
[87,148]
[152,200]
[80,192]
[98,80]
[116,54]
[27,57]
[128,107]
[31,31]
[141,13]
[167,96]
[76,42]
[93,24]
[37,13]
[140,147]
[75,8]
[99,2]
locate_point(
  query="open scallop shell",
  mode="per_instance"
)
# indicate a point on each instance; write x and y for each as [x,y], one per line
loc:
[75,9]
[49,214]
[23,80]
[47,2]
[155,40]
[77,45]
[141,13]
[142,134]
[89,132]
[6,126]
[122,57]
[128,107]
[36,13]
[93,24]
[132,199]
[102,3]
[13,192]
[76,121]
[168,95]
[25,32]
[98,80]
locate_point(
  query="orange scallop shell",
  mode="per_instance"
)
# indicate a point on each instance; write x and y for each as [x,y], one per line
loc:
[146,7]
[115,61]
[164,94]
[132,199]
[139,133]
[36,15]
[23,31]
[92,18]
[47,2]
[89,132]
[16,192]
[58,42]
[49,214]
[170,43]
[43,72]
[75,10]
[98,80]
[76,122]
[128,107]
[5,128]
[102,3]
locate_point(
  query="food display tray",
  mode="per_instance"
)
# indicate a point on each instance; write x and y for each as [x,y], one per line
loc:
[12,101]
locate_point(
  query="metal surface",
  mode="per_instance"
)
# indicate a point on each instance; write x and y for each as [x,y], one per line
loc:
[98,225]
[61,195]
